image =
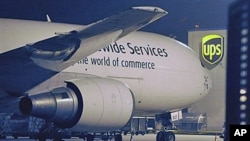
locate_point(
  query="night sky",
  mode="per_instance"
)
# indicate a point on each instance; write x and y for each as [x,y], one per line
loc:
[183,16]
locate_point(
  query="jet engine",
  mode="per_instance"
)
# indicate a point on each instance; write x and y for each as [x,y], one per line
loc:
[90,104]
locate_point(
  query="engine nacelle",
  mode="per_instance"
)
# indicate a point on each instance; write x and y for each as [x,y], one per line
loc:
[89,104]
[107,104]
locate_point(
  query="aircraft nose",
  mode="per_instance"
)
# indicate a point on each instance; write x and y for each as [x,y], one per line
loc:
[207,81]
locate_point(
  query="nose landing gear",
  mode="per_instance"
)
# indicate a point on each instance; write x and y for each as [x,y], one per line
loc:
[165,136]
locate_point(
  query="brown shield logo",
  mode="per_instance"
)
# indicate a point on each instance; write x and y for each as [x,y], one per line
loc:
[212,50]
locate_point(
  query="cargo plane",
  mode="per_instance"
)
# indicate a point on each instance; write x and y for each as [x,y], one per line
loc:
[95,78]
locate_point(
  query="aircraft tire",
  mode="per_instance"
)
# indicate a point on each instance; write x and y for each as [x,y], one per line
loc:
[165,136]
[170,136]
[160,136]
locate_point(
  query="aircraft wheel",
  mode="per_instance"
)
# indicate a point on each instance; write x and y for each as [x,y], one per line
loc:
[170,136]
[160,136]
[165,136]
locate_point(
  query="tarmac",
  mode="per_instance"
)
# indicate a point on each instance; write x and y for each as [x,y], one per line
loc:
[148,137]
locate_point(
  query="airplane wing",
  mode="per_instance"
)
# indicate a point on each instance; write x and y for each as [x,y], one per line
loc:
[27,66]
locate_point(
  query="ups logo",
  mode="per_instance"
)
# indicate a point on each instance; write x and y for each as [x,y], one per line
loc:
[212,50]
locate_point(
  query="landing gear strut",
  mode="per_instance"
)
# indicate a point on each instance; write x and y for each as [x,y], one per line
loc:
[166,134]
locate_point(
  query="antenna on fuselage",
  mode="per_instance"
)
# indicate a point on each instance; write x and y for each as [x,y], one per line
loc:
[48,19]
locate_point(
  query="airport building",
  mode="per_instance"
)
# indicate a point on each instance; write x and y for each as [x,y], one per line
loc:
[211,47]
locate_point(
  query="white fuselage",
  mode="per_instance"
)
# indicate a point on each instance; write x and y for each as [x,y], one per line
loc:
[163,74]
